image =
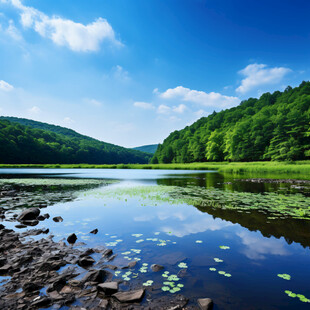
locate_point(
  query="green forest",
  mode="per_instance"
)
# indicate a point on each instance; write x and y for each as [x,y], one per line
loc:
[274,127]
[31,142]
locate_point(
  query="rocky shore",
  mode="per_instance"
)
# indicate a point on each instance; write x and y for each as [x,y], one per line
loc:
[40,273]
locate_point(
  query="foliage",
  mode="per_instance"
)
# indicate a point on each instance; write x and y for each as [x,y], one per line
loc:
[39,143]
[272,170]
[273,127]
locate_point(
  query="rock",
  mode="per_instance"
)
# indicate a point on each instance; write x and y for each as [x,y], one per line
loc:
[57,219]
[40,218]
[72,238]
[130,265]
[107,252]
[156,267]
[2,226]
[205,303]
[98,276]
[30,287]
[29,214]
[129,296]
[86,261]
[41,302]
[108,288]
[20,226]
[46,215]
[103,304]
[94,231]
[5,269]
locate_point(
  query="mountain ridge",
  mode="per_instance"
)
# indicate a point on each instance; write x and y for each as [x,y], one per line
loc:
[28,141]
[273,127]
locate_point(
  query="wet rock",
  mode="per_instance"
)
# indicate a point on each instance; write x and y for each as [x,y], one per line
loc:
[129,296]
[20,226]
[5,269]
[41,302]
[41,218]
[97,276]
[46,215]
[30,287]
[29,214]
[57,219]
[86,261]
[108,288]
[31,222]
[107,252]
[72,238]
[156,267]
[94,231]
[103,304]
[205,303]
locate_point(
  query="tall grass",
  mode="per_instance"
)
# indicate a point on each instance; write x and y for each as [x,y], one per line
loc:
[296,167]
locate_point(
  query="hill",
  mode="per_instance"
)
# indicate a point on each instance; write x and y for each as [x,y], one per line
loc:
[30,142]
[147,148]
[273,127]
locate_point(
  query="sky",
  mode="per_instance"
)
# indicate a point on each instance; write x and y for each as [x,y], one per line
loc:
[131,72]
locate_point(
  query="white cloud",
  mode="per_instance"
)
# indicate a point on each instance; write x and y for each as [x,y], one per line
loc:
[120,74]
[5,86]
[34,110]
[163,109]
[94,102]
[258,74]
[64,32]
[11,31]
[257,247]
[180,108]
[211,99]
[68,121]
[144,105]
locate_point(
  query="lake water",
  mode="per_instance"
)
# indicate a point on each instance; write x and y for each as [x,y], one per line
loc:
[247,246]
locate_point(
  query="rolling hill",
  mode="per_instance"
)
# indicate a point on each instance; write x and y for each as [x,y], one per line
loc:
[24,141]
[147,148]
[273,127]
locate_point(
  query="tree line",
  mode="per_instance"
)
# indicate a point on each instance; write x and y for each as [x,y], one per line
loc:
[21,144]
[274,127]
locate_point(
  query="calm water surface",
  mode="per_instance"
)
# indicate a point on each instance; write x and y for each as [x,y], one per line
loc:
[167,234]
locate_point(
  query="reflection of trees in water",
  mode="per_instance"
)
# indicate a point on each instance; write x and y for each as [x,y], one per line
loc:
[293,230]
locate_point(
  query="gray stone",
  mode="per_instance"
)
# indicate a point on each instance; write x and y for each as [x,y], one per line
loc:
[57,219]
[156,267]
[29,214]
[108,288]
[205,303]
[129,296]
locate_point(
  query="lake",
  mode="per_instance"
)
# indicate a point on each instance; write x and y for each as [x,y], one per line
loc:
[241,242]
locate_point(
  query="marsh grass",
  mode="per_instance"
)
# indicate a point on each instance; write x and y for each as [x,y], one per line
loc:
[287,169]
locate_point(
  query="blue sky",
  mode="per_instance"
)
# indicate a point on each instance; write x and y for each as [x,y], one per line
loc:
[130,72]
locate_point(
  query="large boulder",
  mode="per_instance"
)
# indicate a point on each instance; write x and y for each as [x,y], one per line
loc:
[129,296]
[29,214]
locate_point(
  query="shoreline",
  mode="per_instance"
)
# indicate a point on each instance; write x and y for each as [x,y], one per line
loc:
[268,170]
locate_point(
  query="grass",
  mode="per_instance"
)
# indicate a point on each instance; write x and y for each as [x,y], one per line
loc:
[295,167]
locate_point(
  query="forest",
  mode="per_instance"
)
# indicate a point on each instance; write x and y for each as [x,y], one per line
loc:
[274,127]
[30,142]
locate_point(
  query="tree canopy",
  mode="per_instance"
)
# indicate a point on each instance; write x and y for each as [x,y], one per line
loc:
[25,141]
[274,127]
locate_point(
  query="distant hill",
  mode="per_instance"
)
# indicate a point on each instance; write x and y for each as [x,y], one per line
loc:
[147,148]
[273,127]
[30,142]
